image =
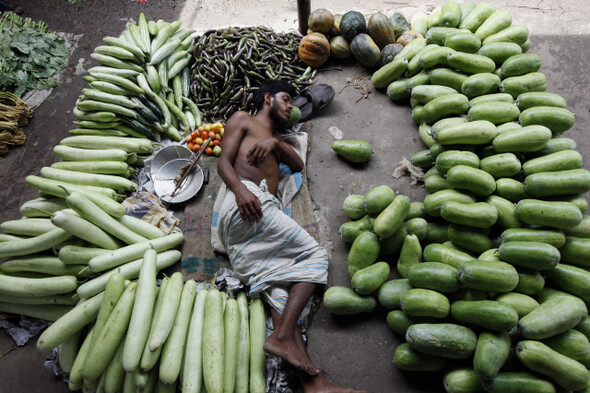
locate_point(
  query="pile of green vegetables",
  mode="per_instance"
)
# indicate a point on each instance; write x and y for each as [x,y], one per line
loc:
[492,283]
[231,63]
[32,57]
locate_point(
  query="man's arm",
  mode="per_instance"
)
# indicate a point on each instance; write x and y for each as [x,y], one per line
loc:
[288,155]
[248,203]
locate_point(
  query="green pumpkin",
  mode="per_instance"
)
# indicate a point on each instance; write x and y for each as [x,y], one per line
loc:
[365,50]
[400,23]
[339,47]
[381,30]
[352,24]
[389,52]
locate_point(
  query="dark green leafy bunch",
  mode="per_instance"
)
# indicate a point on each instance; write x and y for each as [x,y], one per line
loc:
[231,63]
[31,58]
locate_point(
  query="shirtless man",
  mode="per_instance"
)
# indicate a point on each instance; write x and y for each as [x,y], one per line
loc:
[252,149]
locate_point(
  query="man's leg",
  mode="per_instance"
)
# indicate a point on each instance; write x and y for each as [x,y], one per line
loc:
[286,341]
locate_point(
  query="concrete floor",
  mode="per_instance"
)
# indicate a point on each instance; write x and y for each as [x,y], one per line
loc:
[353,351]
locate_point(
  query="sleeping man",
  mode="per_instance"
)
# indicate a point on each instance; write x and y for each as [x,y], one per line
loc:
[270,252]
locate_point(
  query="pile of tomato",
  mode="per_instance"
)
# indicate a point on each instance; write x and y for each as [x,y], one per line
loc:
[198,137]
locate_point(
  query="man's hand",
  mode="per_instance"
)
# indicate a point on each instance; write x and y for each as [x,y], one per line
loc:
[249,205]
[261,150]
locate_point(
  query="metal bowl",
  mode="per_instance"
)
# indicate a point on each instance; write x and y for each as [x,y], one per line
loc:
[166,166]
[168,154]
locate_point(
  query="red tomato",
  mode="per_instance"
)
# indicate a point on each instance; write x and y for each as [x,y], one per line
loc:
[188,138]
[216,142]
[194,134]
[209,151]
[196,148]
[190,145]
[204,135]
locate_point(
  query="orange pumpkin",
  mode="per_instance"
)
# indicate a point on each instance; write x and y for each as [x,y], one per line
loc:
[314,49]
[321,20]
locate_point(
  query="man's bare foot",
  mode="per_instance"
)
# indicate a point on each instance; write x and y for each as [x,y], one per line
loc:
[287,349]
[318,384]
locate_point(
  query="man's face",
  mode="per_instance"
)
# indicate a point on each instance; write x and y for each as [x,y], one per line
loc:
[280,108]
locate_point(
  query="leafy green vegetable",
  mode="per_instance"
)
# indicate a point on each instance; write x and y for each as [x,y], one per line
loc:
[31,58]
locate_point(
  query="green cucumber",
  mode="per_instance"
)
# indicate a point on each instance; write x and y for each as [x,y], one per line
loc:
[443,106]
[436,252]
[489,314]
[419,302]
[344,301]
[478,215]
[553,237]
[582,230]
[538,98]
[530,282]
[436,183]
[507,126]
[351,229]
[392,217]
[389,72]
[558,161]
[572,279]
[495,23]
[416,210]
[495,276]
[435,56]
[558,120]
[495,112]
[557,143]
[370,278]
[493,97]
[353,206]
[518,382]
[553,316]
[477,132]
[572,344]
[434,275]
[410,254]
[377,199]
[363,252]
[515,33]
[477,16]
[399,322]
[417,226]
[499,51]
[491,353]
[408,359]
[530,254]
[516,85]
[396,90]
[527,139]
[472,239]
[506,212]
[471,63]
[568,182]
[422,159]
[522,304]
[433,202]
[450,158]
[425,135]
[447,77]
[566,372]
[442,339]
[511,189]
[477,181]
[437,232]
[462,380]
[356,151]
[479,84]
[426,93]
[450,14]
[391,291]
[463,42]
[520,64]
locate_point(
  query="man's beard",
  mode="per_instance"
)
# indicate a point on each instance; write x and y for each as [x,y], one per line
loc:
[279,121]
